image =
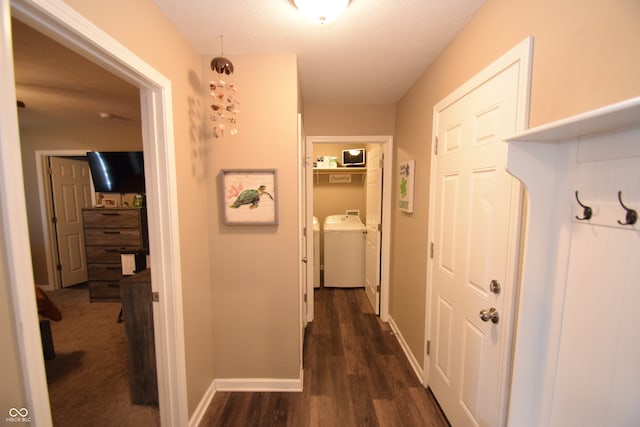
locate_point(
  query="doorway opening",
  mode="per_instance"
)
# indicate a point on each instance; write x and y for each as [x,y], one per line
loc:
[64,24]
[380,223]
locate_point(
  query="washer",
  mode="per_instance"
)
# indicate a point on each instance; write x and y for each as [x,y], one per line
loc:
[344,246]
[316,252]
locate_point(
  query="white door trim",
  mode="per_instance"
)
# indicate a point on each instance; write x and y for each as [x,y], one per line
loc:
[46,212]
[385,262]
[58,20]
[522,55]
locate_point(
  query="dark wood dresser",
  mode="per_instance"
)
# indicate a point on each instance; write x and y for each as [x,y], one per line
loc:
[108,232]
[137,310]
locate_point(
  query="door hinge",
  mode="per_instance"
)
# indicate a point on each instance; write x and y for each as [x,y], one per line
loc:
[380,228]
[381,165]
[54,220]
[428,347]
[305,297]
[378,288]
[59,267]
[304,231]
[155,297]
[431,250]
[435,144]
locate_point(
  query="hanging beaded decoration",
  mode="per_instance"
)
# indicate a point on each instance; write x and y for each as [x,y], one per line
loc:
[224,105]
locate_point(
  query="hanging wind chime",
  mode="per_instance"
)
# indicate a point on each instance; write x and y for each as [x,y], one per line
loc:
[224,106]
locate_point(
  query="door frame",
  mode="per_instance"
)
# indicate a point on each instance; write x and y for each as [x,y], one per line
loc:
[64,24]
[46,212]
[521,54]
[385,246]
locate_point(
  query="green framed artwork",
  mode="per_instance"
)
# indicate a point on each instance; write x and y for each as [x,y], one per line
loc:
[249,196]
[407,181]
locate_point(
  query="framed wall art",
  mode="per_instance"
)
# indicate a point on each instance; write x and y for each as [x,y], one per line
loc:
[407,182]
[249,196]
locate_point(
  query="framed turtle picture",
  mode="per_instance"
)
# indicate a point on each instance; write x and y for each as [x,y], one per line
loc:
[249,196]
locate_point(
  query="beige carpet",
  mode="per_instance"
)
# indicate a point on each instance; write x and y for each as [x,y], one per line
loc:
[88,379]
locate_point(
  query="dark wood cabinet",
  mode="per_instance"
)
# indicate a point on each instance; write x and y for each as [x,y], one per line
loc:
[137,310]
[108,232]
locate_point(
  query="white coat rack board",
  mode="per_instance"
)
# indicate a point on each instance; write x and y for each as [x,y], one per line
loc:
[577,342]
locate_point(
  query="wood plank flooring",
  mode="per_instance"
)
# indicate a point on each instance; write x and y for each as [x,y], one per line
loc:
[355,374]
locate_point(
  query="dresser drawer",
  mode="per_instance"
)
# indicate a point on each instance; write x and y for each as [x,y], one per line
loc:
[125,237]
[105,255]
[104,272]
[104,291]
[111,218]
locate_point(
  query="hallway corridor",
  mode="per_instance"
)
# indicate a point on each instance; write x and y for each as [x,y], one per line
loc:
[355,374]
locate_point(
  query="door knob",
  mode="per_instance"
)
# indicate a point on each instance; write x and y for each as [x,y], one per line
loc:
[491,314]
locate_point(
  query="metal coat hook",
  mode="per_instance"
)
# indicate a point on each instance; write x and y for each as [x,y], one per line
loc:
[632,215]
[587,211]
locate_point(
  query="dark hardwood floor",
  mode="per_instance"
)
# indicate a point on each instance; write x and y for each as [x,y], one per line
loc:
[355,374]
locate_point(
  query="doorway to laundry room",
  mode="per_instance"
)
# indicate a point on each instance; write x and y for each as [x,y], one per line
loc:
[348,192]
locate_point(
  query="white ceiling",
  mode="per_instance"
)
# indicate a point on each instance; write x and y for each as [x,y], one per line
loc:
[370,55]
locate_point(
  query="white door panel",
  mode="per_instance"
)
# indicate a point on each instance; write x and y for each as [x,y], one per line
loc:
[373,221]
[70,181]
[474,217]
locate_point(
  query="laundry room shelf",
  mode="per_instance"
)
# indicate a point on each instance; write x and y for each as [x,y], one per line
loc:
[340,170]
[350,171]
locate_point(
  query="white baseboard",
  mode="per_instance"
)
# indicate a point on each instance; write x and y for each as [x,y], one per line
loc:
[407,351]
[242,384]
[258,384]
[202,407]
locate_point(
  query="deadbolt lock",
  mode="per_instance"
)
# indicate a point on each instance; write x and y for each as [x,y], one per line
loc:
[495,286]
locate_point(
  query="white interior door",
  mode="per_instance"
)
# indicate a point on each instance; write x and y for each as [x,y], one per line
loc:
[373,223]
[474,235]
[71,190]
[306,223]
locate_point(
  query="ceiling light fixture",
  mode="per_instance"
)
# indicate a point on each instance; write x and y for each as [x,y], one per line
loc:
[321,11]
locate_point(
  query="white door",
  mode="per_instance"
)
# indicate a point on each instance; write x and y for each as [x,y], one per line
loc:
[306,224]
[474,235]
[373,223]
[71,188]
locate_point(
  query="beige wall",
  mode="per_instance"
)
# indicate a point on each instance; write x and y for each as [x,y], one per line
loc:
[348,120]
[585,56]
[254,268]
[142,28]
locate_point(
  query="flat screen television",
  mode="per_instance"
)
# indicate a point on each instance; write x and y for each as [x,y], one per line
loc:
[353,157]
[117,171]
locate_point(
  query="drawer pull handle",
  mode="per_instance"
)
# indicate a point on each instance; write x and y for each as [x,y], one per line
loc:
[111,232]
[112,250]
[110,214]
[113,285]
[113,268]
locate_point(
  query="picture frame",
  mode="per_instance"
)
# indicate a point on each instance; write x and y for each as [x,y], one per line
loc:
[407,172]
[249,196]
[110,201]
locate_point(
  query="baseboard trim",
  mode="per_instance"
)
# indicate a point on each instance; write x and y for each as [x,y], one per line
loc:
[242,384]
[201,409]
[258,384]
[417,369]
